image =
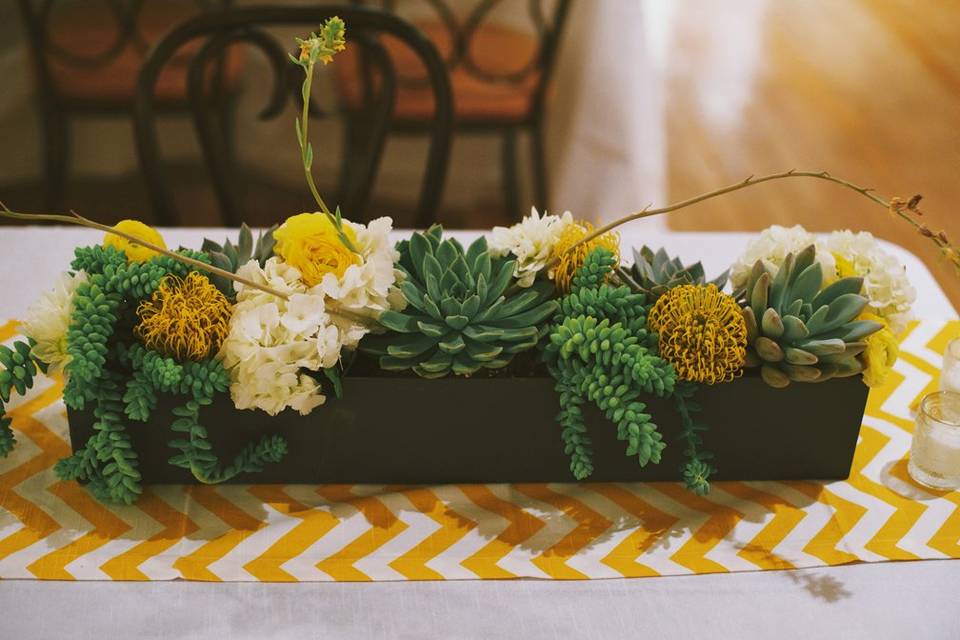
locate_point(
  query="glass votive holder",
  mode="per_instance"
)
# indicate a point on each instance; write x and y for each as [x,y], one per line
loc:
[950,374]
[935,452]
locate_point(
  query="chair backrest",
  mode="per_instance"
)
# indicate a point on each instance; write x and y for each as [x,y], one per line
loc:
[248,26]
[77,46]
[460,26]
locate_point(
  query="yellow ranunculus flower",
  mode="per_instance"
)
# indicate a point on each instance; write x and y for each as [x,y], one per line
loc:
[310,242]
[135,252]
[881,353]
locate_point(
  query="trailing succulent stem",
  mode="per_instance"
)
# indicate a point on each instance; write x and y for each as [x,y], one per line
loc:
[154,374]
[461,315]
[696,470]
[107,462]
[798,332]
[196,451]
[18,369]
[599,350]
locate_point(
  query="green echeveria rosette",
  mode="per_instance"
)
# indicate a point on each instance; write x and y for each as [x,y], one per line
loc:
[230,256]
[462,314]
[797,331]
[655,273]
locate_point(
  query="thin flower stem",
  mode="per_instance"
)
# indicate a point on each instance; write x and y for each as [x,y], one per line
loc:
[304,142]
[896,206]
[77,219]
[304,139]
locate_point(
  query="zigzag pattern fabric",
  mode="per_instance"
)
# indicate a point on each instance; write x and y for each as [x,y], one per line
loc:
[54,530]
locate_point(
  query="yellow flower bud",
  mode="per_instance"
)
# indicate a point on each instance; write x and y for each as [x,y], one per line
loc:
[311,243]
[135,228]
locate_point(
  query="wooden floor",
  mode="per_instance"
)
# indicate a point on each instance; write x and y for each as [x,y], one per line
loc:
[866,89]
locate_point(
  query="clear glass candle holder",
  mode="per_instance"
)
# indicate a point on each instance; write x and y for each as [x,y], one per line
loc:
[950,374]
[935,453]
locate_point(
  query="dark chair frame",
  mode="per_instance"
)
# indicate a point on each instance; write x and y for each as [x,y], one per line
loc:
[57,111]
[461,34]
[246,25]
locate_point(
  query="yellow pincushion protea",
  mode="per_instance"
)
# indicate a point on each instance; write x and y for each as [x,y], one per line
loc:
[311,243]
[702,333]
[134,251]
[186,319]
[569,260]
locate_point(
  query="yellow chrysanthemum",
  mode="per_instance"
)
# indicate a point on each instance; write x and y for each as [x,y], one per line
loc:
[881,353]
[135,252]
[186,318]
[311,243]
[572,259]
[702,333]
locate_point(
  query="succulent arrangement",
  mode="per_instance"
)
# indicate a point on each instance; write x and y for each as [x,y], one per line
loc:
[274,320]
[799,330]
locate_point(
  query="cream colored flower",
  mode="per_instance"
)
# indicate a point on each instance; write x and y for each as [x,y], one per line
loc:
[367,289]
[885,284]
[772,246]
[274,343]
[531,241]
[48,320]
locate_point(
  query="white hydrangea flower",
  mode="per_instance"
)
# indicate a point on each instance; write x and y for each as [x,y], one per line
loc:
[772,246]
[273,342]
[531,241]
[368,288]
[885,281]
[48,320]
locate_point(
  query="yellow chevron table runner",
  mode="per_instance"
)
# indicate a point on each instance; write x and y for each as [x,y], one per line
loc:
[55,530]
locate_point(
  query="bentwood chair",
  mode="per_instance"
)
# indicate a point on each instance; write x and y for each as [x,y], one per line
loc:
[249,26]
[86,56]
[500,77]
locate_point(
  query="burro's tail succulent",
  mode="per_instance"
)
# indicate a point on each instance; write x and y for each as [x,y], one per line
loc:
[797,331]
[460,315]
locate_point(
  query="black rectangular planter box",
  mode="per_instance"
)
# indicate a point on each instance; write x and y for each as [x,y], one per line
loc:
[456,430]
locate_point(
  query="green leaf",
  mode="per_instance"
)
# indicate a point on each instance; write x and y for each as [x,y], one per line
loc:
[413,346]
[398,321]
[308,156]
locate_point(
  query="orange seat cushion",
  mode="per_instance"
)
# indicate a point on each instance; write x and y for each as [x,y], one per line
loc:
[90,32]
[496,50]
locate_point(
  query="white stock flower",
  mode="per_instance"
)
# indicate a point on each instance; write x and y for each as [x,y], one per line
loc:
[772,245]
[48,320]
[531,241]
[885,283]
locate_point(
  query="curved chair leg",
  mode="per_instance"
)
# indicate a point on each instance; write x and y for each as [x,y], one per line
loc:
[56,137]
[538,157]
[511,194]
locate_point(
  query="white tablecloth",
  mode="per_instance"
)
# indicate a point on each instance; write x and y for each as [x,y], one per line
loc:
[876,601]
